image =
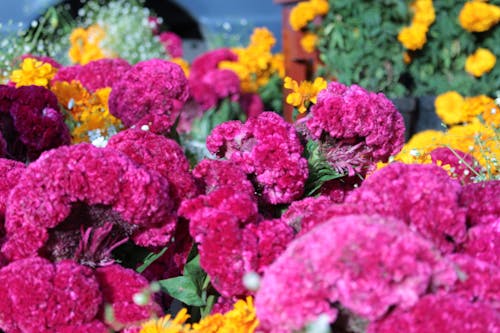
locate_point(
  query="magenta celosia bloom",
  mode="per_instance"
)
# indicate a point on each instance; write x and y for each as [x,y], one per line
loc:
[209,61]
[356,128]
[268,149]
[423,196]
[338,189]
[214,174]
[367,263]
[478,280]
[172,44]
[158,153]
[213,86]
[11,172]
[96,74]
[39,296]
[483,242]
[82,197]
[301,215]
[440,313]
[232,239]
[464,167]
[251,104]
[203,94]
[118,286]
[31,122]
[151,93]
[3,146]
[477,198]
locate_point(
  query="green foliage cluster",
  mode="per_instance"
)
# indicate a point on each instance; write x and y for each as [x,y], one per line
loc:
[358,44]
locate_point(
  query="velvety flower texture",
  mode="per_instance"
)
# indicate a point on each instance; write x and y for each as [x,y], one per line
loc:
[172,44]
[151,93]
[477,198]
[11,172]
[209,61]
[356,128]
[73,195]
[268,149]
[232,238]
[96,74]
[39,296]
[462,166]
[367,263]
[118,286]
[30,122]
[158,153]
[440,313]
[483,242]
[213,86]
[423,196]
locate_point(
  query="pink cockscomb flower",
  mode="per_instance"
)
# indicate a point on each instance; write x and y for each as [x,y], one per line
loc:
[151,93]
[31,122]
[214,174]
[268,149]
[161,154]
[118,286]
[423,196]
[37,296]
[478,280]
[11,172]
[483,242]
[172,44]
[251,104]
[96,74]
[209,61]
[3,146]
[477,200]
[213,86]
[355,128]
[462,166]
[77,201]
[366,263]
[440,313]
[301,215]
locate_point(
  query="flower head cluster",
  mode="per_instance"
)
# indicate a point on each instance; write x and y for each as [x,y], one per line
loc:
[255,64]
[40,296]
[87,112]
[11,172]
[440,313]
[214,174]
[77,197]
[480,62]
[155,101]
[483,241]
[160,154]
[423,196]
[304,12]
[94,75]
[367,263]
[86,44]
[172,43]
[305,93]
[415,36]
[479,16]
[355,128]
[33,72]
[31,122]
[476,198]
[268,149]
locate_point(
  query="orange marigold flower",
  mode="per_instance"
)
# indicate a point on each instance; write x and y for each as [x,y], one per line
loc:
[477,16]
[449,107]
[424,12]
[305,93]
[262,37]
[308,42]
[33,72]
[85,44]
[301,15]
[320,6]
[480,62]
[167,325]
[413,37]
[406,58]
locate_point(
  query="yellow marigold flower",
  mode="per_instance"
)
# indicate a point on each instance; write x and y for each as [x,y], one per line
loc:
[278,64]
[301,15]
[305,93]
[424,12]
[477,105]
[72,96]
[449,107]
[418,148]
[33,72]
[480,62]
[183,63]
[413,37]
[85,44]
[262,37]
[242,318]
[491,114]
[308,42]
[320,6]
[477,16]
[210,324]
[167,325]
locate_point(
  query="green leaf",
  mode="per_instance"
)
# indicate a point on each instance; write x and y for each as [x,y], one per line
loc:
[150,259]
[194,271]
[183,289]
